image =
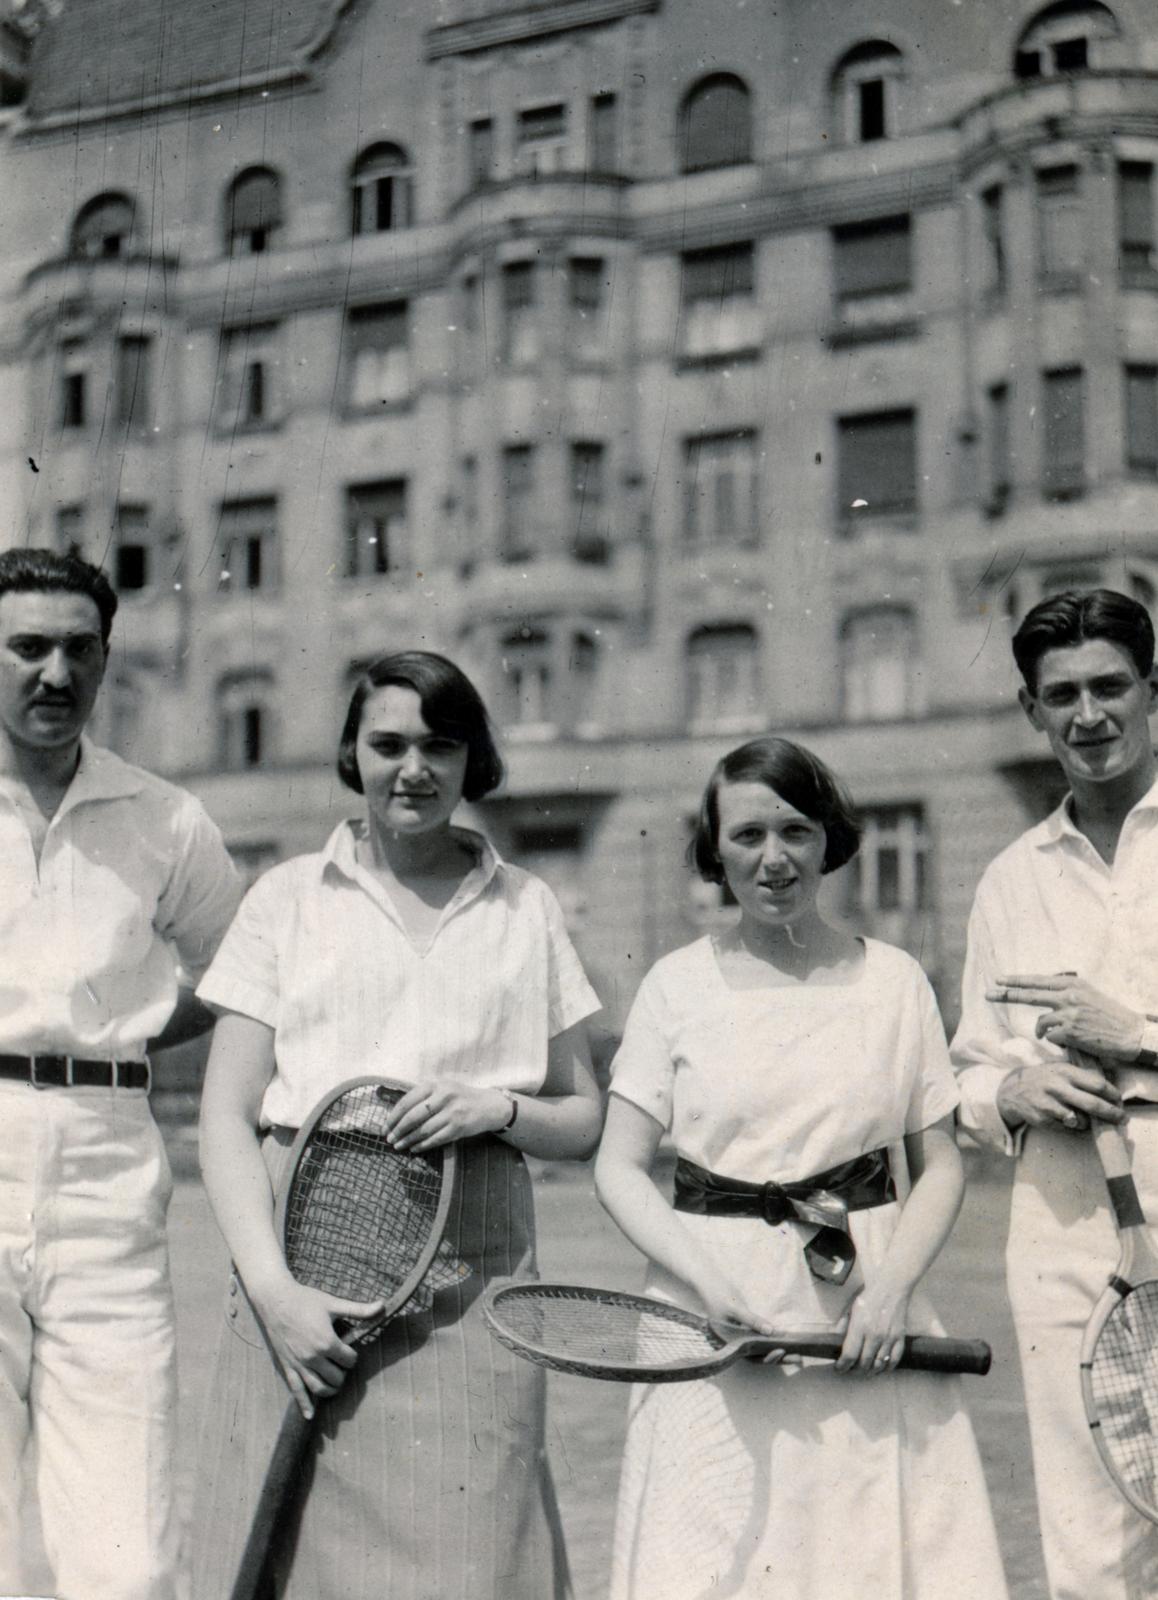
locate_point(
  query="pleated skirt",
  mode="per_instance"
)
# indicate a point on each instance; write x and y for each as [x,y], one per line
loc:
[428,1479]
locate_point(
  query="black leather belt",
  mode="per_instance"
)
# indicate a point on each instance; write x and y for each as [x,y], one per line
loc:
[74,1072]
[824,1201]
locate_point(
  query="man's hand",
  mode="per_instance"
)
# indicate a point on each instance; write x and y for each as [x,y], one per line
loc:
[1074,1015]
[1058,1093]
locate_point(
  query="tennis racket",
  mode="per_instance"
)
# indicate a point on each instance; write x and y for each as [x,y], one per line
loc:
[628,1338]
[361,1220]
[1119,1359]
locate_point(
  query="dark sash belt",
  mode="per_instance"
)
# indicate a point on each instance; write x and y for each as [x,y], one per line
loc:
[824,1201]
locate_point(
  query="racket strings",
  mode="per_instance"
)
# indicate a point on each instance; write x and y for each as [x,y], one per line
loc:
[359,1213]
[1124,1381]
[608,1332]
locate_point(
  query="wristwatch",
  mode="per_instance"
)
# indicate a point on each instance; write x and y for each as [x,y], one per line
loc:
[513,1118]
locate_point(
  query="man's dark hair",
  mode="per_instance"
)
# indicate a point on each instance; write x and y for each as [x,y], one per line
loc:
[450,706]
[1072,617]
[797,776]
[44,571]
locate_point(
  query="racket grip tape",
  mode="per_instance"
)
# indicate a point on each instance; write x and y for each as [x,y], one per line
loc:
[925,1354]
[277,1495]
[1127,1207]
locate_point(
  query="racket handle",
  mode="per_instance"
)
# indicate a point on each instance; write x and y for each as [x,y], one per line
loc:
[927,1354]
[923,1352]
[276,1495]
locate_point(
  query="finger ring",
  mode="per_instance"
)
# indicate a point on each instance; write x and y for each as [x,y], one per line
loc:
[1071,1119]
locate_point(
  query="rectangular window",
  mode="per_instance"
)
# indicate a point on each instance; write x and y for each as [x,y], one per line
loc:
[378,356]
[585,297]
[873,257]
[1142,420]
[133,400]
[871,109]
[469,502]
[588,501]
[376,534]
[518,543]
[1063,442]
[997,423]
[877,464]
[249,367]
[481,136]
[718,295]
[993,235]
[892,870]
[1136,218]
[722,489]
[134,558]
[70,522]
[603,134]
[541,139]
[1060,223]
[520,325]
[248,545]
[73,387]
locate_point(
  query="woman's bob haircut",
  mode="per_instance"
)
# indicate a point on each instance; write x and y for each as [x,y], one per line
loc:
[450,706]
[798,777]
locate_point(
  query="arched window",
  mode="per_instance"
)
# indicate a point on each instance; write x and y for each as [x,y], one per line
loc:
[866,92]
[104,228]
[880,665]
[715,124]
[1067,37]
[382,190]
[244,722]
[528,689]
[252,211]
[723,677]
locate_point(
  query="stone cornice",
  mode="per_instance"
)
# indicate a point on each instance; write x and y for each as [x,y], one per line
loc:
[528,22]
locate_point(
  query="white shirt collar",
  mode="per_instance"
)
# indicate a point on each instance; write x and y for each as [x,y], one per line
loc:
[1060,825]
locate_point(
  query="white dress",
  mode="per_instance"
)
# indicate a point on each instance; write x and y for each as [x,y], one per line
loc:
[801,1483]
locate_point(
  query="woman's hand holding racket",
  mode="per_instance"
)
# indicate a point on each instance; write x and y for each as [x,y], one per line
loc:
[433,1114]
[875,1338]
[731,1314]
[299,1323]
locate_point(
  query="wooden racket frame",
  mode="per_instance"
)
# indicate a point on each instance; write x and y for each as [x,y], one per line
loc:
[922,1352]
[1137,1264]
[283,1473]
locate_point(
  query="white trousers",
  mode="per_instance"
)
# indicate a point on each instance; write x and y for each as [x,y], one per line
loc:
[1062,1248]
[87,1350]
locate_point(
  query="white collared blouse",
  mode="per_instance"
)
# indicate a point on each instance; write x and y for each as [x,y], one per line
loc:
[1048,904]
[319,953]
[133,877]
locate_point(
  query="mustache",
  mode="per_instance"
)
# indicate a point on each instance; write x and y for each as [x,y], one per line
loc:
[57,697]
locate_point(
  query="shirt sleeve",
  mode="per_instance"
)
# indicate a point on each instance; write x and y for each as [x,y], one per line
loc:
[934,1092]
[243,976]
[203,891]
[570,996]
[643,1070]
[984,1049]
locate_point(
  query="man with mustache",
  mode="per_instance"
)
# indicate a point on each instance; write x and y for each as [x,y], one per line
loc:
[113,886]
[1063,954]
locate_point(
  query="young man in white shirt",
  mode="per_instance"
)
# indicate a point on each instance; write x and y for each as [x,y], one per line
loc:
[109,877]
[1063,953]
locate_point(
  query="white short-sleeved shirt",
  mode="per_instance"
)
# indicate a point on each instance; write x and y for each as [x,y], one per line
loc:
[779,1084]
[133,878]
[319,953]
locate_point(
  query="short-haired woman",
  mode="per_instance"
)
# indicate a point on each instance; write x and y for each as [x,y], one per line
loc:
[404,948]
[785,1059]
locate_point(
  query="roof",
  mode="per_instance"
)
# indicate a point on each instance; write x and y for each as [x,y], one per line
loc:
[100,56]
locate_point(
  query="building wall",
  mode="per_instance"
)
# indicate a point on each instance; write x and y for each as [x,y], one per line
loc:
[748,551]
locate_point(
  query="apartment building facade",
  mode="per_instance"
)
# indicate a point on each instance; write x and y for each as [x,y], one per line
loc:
[684,371]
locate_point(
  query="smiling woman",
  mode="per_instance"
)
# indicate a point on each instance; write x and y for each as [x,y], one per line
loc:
[783,1057]
[406,948]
